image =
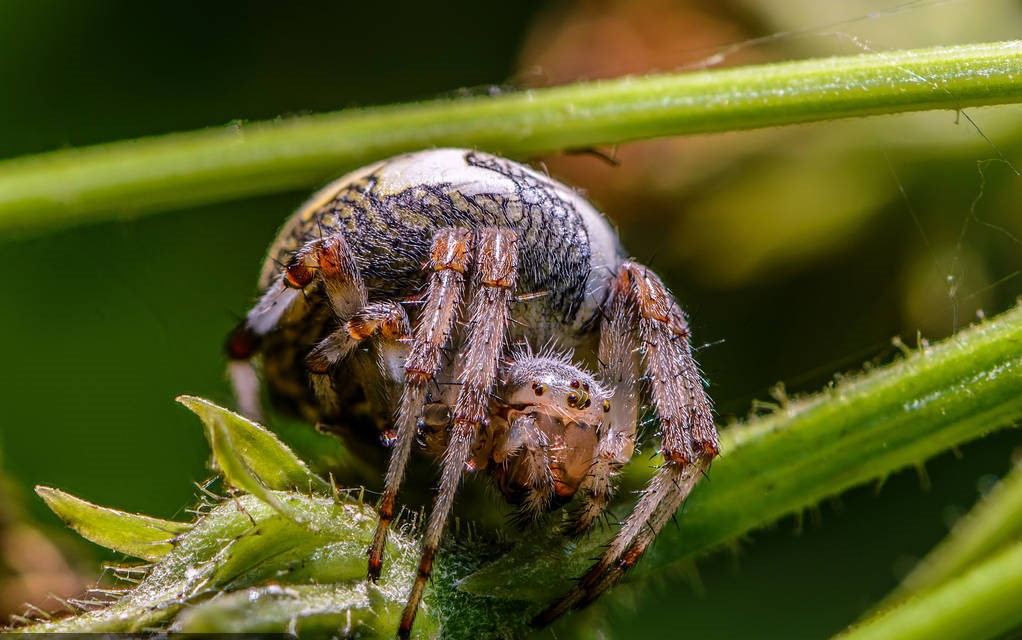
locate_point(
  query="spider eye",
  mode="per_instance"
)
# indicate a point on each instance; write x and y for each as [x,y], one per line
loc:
[540,389]
[606,406]
[574,384]
[572,399]
[585,386]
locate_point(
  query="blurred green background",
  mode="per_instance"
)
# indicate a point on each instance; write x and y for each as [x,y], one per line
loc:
[798,252]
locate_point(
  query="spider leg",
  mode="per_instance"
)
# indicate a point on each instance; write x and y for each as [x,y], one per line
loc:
[331,258]
[688,439]
[328,259]
[391,339]
[619,371]
[449,260]
[244,343]
[496,273]
[385,325]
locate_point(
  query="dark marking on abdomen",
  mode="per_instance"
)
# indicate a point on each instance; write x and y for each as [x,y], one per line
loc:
[390,234]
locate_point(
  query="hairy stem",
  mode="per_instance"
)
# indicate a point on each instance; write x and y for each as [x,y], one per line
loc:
[141,176]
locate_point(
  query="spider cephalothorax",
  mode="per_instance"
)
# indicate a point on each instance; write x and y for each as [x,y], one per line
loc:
[543,433]
[393,302]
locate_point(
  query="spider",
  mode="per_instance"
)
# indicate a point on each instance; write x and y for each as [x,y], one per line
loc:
[401,299]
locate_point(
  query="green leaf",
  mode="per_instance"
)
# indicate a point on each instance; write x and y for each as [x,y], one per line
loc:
[243,566]
[244,549]
[136,535]
[253,459]
[252,452]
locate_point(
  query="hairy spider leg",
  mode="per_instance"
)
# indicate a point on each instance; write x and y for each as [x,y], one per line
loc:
[391,338]
[333,260]
[448,262]
[327,260]
[688,436]
[496,271]
[244,342]
[384,324]
[618,356]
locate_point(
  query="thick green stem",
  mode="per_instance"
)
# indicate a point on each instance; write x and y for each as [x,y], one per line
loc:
[135,177]
[935,399]
[981,603]
[992,525]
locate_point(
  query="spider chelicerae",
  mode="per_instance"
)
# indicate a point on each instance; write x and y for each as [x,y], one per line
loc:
[408,292]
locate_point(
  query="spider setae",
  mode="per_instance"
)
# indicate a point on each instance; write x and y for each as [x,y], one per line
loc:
[410,290]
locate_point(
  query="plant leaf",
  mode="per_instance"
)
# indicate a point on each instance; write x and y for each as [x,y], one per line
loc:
[136,535]
[254,448]
[254,459]
[245,567]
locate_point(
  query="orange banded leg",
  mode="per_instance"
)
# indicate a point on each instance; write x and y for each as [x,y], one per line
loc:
[497,269]
[330,260]
[618,359]
[448,262]
[384,324]
[688,436]
[325,259]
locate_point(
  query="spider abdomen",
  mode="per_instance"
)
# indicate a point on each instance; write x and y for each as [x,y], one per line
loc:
[389,213]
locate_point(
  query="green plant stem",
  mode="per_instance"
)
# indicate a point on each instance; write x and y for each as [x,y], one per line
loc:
[135,177]
[992,525]
[981,603]
[860,430]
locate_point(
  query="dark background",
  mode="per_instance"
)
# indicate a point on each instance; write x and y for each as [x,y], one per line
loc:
[793,250]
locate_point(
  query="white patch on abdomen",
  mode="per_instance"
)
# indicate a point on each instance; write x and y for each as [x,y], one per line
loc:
[448,166]
[606,255]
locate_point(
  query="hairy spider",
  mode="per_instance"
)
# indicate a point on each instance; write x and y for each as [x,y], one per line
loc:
[438,267]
